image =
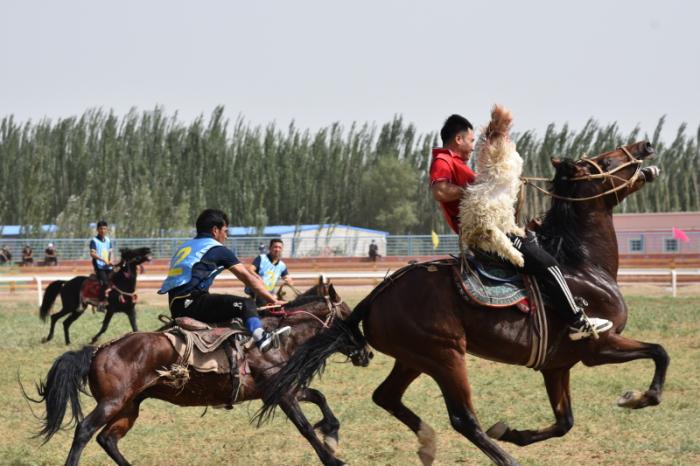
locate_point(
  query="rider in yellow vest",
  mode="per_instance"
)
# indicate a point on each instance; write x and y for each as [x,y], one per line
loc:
[101,254]
[270,268]
[193,268]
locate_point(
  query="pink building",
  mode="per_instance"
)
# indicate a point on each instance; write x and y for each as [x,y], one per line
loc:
[653,233]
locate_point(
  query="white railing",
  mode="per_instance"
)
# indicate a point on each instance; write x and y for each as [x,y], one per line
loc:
[41,279]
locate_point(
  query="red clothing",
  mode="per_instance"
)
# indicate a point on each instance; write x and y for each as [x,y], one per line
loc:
[449,166]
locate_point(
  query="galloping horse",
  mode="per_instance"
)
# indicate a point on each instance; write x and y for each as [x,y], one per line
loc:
[121,298]
[418,317]
[122,373]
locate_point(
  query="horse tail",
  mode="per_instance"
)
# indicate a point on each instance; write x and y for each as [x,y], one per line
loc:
[64,382]
[49,297]
[310,359]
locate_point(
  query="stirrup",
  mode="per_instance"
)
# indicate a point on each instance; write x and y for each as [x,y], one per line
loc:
[272,339]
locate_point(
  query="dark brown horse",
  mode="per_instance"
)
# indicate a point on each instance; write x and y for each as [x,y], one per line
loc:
[122,373]
[121,297]
[418,317]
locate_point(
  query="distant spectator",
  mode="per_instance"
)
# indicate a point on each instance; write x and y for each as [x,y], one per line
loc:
[373,251]
[27,255]
[5,255]
[50,255]
[261,248]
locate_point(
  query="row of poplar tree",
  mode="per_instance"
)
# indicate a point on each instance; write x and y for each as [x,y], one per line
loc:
[150,174]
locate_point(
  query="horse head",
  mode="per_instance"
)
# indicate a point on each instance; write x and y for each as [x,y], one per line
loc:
[605,179]
[136,256]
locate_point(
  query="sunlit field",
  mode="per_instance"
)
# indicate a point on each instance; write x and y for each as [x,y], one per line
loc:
[168,435]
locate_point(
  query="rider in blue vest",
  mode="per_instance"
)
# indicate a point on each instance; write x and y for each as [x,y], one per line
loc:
[101,253]
[270,268]
[194,267]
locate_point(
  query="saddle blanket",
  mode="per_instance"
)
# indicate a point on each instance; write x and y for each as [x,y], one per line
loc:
[492,283]
[204,348]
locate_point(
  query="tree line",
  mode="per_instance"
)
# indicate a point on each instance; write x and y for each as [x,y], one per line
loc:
[150,174]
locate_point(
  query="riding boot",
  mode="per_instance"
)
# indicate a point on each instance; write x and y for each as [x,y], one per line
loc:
[580,325]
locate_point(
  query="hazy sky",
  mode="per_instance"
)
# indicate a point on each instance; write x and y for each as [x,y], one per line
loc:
[323,61]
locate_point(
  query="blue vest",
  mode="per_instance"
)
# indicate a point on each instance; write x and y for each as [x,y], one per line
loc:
[103,248]
[270,272]
[187,255]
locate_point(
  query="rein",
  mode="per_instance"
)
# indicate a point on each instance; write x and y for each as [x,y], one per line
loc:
[332,307]
[601,175]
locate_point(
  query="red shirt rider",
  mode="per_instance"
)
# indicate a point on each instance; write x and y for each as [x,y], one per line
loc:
[449,172]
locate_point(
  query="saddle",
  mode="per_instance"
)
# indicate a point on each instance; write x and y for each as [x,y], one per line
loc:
[491,282]
[205,348]
[90,291]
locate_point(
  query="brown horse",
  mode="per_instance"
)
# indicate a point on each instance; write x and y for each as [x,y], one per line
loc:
[122,373]
[418,317]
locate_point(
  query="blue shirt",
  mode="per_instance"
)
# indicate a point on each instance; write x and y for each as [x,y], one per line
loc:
[218,256]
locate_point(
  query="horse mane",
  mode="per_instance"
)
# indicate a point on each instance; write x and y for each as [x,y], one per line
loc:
[560,230]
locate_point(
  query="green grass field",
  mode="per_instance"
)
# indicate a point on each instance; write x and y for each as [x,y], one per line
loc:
[167,435]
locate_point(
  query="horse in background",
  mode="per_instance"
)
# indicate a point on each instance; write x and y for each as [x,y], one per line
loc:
[80,291]
[418,317]
[126,371]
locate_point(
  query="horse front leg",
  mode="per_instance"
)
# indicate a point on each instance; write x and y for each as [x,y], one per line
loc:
[557,383]
[131,314]
[105,324]
[618,349]
[329,425]
[291,408]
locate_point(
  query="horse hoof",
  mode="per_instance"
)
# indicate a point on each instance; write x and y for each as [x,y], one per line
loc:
[44,340]
[631,399]
[497,430]
[331,443]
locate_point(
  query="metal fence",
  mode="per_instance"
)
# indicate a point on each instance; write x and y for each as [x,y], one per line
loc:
[395,245]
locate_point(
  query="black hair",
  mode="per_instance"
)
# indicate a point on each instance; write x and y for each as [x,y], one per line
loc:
[276,240]
[454,125]
[102,223]
[211,218]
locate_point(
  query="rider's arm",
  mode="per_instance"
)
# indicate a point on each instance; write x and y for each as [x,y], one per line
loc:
[254,282]
[444,191]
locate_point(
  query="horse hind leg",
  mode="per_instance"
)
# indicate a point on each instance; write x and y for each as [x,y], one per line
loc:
[388,396]
[618,349]
[116,429]
[557,383]
[329,426]
[54,318]
[450,373]
[86,428]
[68,322]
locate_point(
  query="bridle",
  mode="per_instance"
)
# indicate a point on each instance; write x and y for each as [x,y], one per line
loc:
[601,175]
[331,305]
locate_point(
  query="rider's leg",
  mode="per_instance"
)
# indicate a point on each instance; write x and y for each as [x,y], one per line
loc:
[540,263]
[212,308]
[103,278]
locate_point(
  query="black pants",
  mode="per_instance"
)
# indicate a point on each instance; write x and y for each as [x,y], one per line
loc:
[212,308]
[542,265]
[103,278]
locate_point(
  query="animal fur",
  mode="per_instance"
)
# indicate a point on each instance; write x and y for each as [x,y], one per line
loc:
[487,208]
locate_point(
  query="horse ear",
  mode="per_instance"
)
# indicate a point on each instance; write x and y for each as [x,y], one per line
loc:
[332,293]
[555,162]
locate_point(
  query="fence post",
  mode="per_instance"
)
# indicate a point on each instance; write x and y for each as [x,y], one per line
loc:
[674,279]
[38,290]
